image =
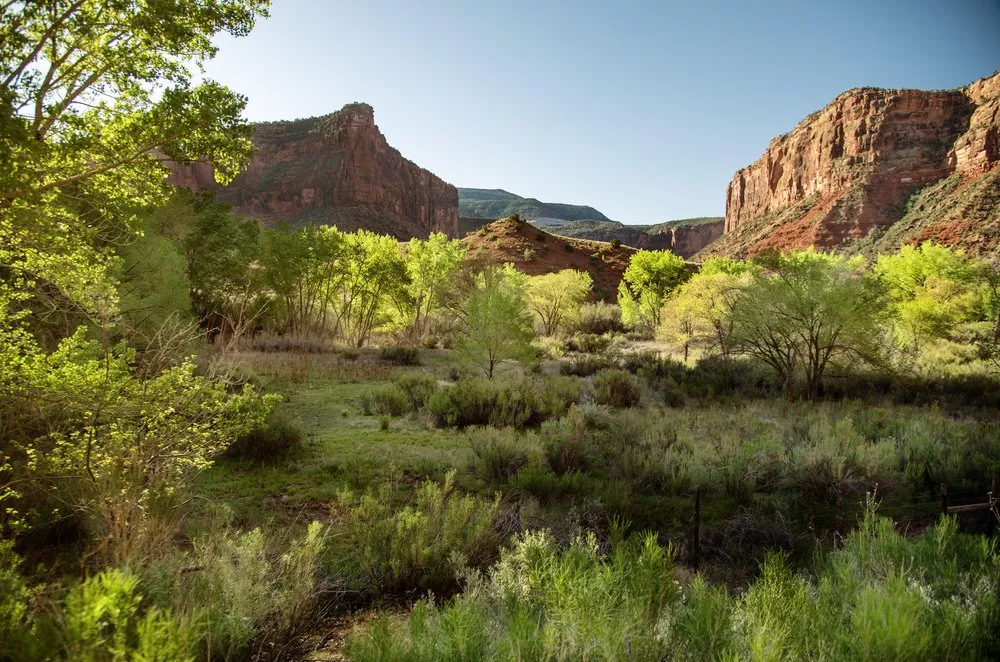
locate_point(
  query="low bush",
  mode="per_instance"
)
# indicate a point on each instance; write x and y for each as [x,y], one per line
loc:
[399,355]
[588,343]
[599,319]
[275,440]
[585,365]
[616,388]
[514,403]
[418,546]
[387,400]
[499,454]
[418,387]
[232,596]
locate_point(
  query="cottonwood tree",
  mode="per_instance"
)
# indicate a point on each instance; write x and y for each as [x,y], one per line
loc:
[649,278]
[556,298]
[496,323]
[432,265]
[94,96]
[935,290]
[807,310]
[697,313]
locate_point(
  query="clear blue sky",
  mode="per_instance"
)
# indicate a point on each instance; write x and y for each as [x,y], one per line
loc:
[641,109]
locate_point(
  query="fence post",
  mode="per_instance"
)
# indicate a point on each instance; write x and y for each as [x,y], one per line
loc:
[944,499]
[696,534]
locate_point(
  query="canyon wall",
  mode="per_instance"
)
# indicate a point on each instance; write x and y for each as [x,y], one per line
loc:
[336,170]
[853,167]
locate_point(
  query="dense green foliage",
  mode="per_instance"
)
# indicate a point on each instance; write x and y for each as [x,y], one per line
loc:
[881,596]
[649,278]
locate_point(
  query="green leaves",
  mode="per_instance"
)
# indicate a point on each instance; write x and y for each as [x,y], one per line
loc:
[649,278]
[93,95]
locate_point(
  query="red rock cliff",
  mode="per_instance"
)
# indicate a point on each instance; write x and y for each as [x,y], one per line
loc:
[338,170]
[853,165]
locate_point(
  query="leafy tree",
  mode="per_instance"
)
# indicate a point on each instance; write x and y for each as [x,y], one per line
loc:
[807,310]
[697,313]
[649,278]
[432,264]
[305,270]
[224,262]
[556,298]
[374,289]
[93,96]
[496,322]
[934,289]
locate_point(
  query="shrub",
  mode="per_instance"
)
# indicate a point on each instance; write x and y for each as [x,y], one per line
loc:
[585,365]
[388,400]
[600,318]
[588,343]
[253,597]
[275,440]
[539,602]
[399,355]
[499,454]
[616,388]
[529,255]
[568,247]
[416,547]
[501,403]
[418,387]
[881,596]
[616,243]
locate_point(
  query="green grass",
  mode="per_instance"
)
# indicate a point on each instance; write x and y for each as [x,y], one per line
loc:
[341,448]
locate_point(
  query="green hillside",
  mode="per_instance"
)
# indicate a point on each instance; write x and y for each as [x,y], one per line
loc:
[497,203]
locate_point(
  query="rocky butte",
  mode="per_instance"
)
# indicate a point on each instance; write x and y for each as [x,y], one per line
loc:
[338,170]
[887,166]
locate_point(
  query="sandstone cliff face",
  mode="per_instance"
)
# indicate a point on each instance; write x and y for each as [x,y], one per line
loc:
[683,240]
[337,170]
[852,167]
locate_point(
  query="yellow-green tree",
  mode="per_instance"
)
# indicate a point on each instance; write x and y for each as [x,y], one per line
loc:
[496,324]
[649,278]
[935,289]
[432,265]
[806,310]
[555,298]
[697,313]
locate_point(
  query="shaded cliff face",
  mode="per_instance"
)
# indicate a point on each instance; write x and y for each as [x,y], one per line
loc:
[683,240]
[683,237]
[336,170]
[856,165]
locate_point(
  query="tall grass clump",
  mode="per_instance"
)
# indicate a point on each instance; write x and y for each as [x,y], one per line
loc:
[386,400]
[417,546]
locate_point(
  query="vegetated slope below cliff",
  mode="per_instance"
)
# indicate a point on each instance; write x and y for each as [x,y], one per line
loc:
[335,170]
[534,251]
[878,168]
[491,204]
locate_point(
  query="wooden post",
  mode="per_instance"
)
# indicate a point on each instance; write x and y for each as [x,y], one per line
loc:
[696,534]
[944,499]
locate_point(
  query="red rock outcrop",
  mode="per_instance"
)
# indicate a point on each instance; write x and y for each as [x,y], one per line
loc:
[337,170]
[851,167]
